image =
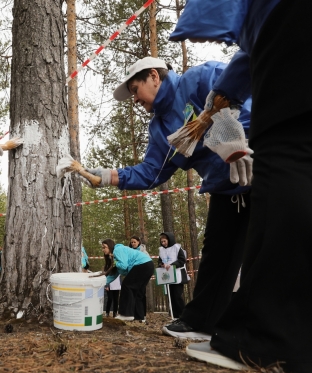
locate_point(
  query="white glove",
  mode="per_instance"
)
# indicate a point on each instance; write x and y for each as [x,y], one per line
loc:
[104,173]
[209,100]
[241,170]
[226,136]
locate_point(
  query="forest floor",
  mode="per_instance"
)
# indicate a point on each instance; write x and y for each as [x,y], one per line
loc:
[117,347]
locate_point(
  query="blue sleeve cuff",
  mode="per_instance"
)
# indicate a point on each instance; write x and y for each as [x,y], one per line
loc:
[235,80]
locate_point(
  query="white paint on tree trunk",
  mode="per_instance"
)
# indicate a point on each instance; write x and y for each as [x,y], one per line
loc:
[32,135]
[63,142]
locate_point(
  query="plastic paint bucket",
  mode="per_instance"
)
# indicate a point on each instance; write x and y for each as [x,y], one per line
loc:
[77,300]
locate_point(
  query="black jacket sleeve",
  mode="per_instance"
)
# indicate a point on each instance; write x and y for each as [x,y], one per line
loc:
[160,262]
[181,259]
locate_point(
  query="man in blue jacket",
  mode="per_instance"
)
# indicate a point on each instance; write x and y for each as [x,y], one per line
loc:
[269,319]
[175,99]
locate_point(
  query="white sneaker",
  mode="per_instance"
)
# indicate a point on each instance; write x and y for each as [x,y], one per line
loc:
[124,318]
[196,336]
[204,352]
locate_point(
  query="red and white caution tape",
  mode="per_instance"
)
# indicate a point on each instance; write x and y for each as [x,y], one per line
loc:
[152,256]
[111,38]
[176,190]
[4,135]
[150,194]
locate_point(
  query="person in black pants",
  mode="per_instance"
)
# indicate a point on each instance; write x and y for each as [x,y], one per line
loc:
[112,291]
[137,268]
[269,319]
[222,256]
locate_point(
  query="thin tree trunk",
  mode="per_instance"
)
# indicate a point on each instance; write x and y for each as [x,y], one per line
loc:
[190,178]
[164,198]
[39,223]
[153,30]
[126,217]
[73,114]
[154,53]
[139,199]
[192,224]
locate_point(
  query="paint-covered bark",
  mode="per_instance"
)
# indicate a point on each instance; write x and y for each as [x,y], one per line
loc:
[39,223]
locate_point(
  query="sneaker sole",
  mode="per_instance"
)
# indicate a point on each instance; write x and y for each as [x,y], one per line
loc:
[203,352]
[125,318]
[187,335]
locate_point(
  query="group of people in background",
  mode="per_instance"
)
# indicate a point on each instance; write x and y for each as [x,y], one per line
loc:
[133,263]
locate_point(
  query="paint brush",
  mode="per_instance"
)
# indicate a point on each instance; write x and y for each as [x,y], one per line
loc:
[12,143]
[186,138]
[68,164]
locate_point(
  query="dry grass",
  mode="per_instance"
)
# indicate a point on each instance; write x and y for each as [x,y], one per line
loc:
[117,347]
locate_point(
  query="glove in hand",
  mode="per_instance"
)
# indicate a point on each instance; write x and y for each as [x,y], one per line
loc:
[104,173]
[241,170]
[226,136]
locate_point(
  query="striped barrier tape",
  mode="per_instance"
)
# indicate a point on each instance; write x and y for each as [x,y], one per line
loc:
[176,190]
[111,38]
[150,194]
[4,135]
[152,256]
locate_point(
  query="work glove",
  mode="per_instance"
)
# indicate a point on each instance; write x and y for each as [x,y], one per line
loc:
[241,170]
[104,173]
[226,136]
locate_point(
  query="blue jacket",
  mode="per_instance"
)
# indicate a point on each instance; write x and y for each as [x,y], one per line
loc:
[125,259]
[160,161]
[231,21]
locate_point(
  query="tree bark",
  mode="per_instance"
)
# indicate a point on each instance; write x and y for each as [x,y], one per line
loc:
[126,216]
[73,114]
[190,179]
[153,30]
[164,198]
[142,234]
[39,223]
[192,224]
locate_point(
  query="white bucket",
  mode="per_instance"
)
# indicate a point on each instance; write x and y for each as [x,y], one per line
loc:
[77,301]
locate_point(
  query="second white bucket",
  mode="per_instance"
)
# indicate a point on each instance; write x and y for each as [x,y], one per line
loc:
[77,301]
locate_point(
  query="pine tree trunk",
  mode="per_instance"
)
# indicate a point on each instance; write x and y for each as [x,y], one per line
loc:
[190,180]
[193,227]
[73,114]
[39,226]
[142,233]
[153,30]
[126,216]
